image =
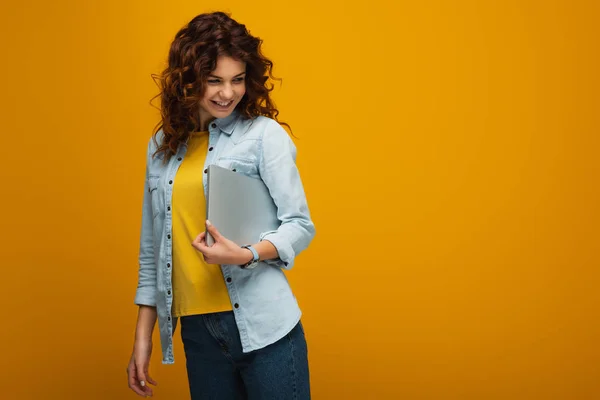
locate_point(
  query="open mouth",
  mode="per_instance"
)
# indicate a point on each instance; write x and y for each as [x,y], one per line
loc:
[222,105]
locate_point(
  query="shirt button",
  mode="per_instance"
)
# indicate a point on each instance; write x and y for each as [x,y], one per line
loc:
[169,292]
[228,279]
[168,236]
[168,265]
[236,305]
[168,318]
[214,125]
[234,170]
[206,170]
[168,208]
[179,159]
[210,149]
[170,182]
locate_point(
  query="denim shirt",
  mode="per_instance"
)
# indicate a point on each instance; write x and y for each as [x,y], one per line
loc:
[264,306]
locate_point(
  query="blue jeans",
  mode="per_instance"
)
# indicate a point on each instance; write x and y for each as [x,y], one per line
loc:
[218,369]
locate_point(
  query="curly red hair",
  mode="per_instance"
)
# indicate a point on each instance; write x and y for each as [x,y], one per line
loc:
[192,57]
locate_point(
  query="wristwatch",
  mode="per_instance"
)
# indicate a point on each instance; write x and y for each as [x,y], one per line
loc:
[254,262]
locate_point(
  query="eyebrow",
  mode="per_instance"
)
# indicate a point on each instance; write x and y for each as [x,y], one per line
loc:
[218,77]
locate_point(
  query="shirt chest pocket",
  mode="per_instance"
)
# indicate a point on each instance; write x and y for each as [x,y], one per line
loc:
[240,165]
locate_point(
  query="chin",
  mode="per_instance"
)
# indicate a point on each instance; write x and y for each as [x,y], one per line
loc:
[222,114]
[218,112]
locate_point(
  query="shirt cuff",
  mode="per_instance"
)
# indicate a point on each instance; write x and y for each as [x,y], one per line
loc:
[145,297]
[284,250]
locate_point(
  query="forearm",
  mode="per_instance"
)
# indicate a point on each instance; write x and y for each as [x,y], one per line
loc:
[146,290]
[266,250]
[145,322]
[280,174]
[291,238]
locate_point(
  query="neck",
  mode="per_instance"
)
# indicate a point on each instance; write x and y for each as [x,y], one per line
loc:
[205,119]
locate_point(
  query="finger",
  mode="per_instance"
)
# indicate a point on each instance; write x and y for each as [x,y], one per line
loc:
[150,380]
[147,389]
[201,237]
[141,376]
[213,231]
[133,381]
[201,246]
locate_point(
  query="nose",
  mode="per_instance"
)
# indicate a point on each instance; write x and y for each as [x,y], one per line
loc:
[226,92]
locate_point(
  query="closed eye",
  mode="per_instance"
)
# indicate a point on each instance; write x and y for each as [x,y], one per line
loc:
[217,80]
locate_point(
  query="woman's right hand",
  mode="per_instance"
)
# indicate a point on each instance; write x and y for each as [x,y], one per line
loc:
[137,370]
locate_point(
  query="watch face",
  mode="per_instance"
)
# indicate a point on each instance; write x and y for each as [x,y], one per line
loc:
[251,265]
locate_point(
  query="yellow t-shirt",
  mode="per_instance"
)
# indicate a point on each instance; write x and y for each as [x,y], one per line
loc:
[198,287]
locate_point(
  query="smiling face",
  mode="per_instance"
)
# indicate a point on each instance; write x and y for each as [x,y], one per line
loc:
[225,88]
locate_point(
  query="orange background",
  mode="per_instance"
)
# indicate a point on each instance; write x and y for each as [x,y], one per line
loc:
[449,151]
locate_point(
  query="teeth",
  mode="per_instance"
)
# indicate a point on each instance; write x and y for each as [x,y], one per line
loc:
[223,104]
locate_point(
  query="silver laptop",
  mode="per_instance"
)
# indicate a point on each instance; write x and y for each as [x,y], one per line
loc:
[239,206]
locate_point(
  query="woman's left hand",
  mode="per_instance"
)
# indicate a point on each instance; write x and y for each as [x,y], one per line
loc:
[223,251]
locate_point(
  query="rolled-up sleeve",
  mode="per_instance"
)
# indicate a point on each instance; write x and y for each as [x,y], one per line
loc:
[146,289]
[280,174]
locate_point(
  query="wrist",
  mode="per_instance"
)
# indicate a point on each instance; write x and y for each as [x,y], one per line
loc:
[253,262]
[245,256]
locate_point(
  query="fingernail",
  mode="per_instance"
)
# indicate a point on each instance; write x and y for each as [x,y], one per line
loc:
[208,223]
[142,383]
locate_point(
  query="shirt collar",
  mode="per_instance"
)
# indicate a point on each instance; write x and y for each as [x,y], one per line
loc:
[227,124]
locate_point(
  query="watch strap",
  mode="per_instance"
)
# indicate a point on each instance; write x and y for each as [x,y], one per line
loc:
[255,256]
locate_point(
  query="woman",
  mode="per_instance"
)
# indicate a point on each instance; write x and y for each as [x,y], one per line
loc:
[240,322]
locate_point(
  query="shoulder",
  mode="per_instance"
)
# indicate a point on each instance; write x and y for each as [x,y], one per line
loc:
[155,141]
[259,125]
[275,140]
[262,129]
[266,129]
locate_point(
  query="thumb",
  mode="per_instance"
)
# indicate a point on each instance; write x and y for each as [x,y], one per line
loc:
[213,231]
[149,378]
[141,374]
[152,381]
